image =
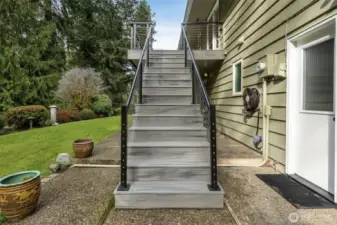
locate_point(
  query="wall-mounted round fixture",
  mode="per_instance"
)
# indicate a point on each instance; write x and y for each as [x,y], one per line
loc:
[260,67]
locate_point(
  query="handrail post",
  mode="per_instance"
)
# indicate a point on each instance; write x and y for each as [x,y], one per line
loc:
[135,35]
[140,90]
[124,186]
[131,37]
[214,170]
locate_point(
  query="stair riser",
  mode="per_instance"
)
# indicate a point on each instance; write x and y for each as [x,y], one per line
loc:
[167,91]
[162,200]
[167,76]
[169,174]
[166,70]
[167,65]
[167,121]
[152,99]
[166,135]
[183,109]
[173,83]
[168,60]
[184,153]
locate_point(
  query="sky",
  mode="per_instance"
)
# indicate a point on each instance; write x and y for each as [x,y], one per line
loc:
[169,16]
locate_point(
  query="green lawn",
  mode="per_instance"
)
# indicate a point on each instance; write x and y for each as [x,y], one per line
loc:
[37,149]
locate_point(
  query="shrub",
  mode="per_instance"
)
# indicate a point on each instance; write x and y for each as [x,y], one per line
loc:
[87,114]
[63,116]
[75,116]
[18,116]
[78,86]
[102,105]
[117,111]
[2,121]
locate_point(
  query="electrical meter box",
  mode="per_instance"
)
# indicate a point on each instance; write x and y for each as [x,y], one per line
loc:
[271,67]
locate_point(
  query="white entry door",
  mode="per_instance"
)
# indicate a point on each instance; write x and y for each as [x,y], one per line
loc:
[311,96]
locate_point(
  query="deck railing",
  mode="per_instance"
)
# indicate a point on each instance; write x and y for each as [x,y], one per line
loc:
[138,34]
[203,35]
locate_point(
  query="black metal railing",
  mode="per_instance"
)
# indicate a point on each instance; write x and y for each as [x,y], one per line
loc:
[200,96]
[203,35]
[129,107]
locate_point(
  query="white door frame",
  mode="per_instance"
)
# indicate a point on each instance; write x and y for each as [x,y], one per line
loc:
[294,69]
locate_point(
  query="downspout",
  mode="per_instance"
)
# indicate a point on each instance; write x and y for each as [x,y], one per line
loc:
[266,112]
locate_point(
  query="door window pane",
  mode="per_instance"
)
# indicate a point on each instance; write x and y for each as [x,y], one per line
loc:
[318,72]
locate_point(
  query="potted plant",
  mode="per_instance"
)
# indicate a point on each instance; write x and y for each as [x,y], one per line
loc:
[19,194]
[83,148]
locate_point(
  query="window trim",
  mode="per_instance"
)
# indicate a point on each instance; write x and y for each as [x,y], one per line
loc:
[235,93]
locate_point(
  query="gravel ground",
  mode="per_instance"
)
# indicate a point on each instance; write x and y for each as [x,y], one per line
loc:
[78,196]
[170,217]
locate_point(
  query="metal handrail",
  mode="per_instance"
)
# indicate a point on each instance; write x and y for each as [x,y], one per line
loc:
[194,64]
[124,186]
[207,110]
[146,45]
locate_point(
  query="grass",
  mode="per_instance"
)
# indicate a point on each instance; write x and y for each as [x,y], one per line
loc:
[37,149]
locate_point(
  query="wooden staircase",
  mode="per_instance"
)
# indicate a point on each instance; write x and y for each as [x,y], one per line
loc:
[168,152]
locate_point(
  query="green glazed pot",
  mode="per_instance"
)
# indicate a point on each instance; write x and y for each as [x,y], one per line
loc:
[19,194]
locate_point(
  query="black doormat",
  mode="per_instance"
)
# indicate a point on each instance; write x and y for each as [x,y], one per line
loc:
[298,195]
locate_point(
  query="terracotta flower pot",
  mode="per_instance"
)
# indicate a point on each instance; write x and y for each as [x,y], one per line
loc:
[83,148]
[19,194]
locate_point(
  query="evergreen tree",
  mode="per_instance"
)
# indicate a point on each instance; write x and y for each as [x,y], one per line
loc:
[29,62]
[143,13]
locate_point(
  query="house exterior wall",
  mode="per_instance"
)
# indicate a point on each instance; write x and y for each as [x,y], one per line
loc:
[265,25]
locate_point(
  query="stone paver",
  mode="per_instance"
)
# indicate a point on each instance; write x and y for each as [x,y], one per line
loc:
[77,196]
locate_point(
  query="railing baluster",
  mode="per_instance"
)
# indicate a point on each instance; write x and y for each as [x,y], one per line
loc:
[185,51]
[193,85]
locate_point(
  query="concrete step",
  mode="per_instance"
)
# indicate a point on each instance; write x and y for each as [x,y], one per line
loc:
[169,194]
[152,120]
[166,70]
[166,82]
[167,90]
[167,60]
[167,99]
[140,134]
[171,76]
[168,109]
[167,65]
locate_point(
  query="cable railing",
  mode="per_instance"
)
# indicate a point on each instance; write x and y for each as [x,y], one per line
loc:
[138,34]
[203,35]
[135,96]
[200,96]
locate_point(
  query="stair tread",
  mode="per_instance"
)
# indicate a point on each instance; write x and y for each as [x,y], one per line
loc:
[166,79]
[180,86]
[150,104]
[145,162]
[169,128]
[170,187]
[172,144]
